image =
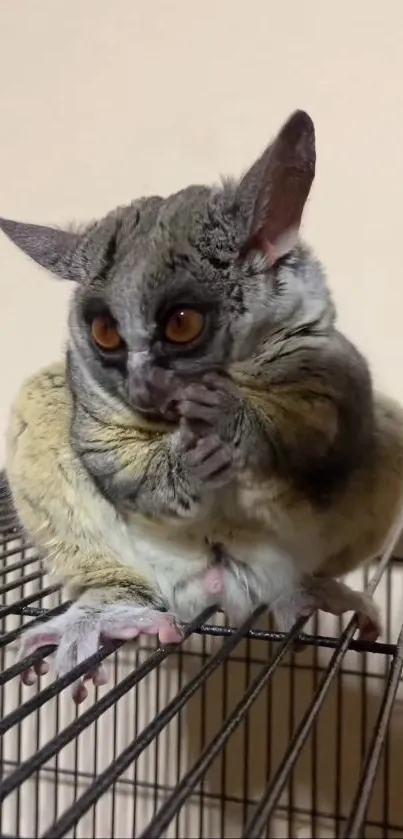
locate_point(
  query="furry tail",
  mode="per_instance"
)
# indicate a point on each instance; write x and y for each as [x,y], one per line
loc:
[8,515]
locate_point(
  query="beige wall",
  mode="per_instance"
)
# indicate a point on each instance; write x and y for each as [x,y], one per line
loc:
[102,101]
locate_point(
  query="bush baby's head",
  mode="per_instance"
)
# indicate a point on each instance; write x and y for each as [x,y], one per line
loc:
[195,281]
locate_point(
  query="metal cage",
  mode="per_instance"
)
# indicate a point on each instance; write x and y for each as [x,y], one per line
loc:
[233,733]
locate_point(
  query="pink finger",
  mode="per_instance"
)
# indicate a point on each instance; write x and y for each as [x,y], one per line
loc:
[216,380]
[201,394]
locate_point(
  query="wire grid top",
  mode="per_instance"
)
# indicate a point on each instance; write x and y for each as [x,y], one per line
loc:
[151,713]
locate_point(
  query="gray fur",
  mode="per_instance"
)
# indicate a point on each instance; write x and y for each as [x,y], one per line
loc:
[234,251]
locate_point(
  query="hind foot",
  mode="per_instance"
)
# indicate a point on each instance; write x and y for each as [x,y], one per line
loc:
[80,631]
[330,596]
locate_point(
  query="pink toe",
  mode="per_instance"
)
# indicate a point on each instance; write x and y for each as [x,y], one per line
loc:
[97,677]
[122,633]
[79,692]
[41,667]
[28,677]
[169,633]
[166,630]
[368,631]
[100,677]
[36,641]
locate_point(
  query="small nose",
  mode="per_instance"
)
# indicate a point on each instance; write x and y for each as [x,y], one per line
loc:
[149,385]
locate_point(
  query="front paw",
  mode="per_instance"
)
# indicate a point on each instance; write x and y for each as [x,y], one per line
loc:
[213,400]
[79,632]
[208,461]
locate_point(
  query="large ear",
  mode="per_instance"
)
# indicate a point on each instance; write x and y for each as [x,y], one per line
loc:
[272,195]
[56,250]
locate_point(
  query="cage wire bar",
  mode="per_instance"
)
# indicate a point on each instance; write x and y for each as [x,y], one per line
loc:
[150,754]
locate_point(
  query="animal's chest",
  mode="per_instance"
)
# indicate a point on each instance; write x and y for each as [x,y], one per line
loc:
[285,516]
[228,558]
[249,519]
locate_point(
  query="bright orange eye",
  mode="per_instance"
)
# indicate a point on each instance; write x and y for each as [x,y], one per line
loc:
[184,326]
[105,334]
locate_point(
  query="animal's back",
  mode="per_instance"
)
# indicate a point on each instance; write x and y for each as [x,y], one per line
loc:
[370,513]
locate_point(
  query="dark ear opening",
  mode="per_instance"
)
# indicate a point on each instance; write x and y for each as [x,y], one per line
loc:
[272,195]
[51,248]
